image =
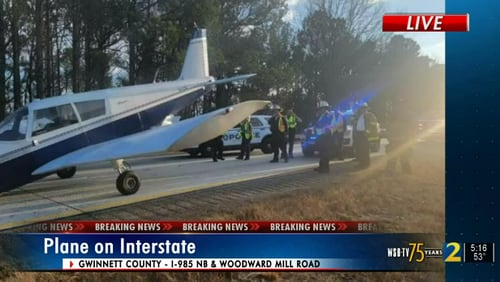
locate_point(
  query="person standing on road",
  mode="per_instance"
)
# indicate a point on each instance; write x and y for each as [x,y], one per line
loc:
[292,120]
[279,132]
[246,139]
[217,145]
[364,123]
[325,142]
[401,128]
[339,128]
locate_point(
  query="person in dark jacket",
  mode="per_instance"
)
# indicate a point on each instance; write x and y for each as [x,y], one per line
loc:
[401,127]
[217,145]
[279,133]
[365,123]
[325,142]
[338,134]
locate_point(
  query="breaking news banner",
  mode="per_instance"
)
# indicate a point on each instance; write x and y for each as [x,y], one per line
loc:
[425,23]
[205,227]
[215,246]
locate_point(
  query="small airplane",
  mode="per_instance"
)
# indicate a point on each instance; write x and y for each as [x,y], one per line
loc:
[57,134]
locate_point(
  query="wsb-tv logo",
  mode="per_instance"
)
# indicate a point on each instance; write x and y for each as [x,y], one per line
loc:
[415,252]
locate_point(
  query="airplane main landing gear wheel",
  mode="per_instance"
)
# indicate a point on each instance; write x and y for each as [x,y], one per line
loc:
[66,172]
[128,183]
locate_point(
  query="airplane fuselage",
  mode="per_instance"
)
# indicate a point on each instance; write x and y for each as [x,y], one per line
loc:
[87,119]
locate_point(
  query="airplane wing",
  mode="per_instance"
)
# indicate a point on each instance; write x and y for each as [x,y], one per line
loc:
[174,137]
[231,79]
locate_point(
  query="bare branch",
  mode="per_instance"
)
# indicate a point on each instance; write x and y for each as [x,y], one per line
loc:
[363,17]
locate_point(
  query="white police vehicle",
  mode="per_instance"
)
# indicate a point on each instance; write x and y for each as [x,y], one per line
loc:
[232,139]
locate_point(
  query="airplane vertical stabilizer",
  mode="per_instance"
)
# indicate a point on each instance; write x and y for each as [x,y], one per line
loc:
[196,61]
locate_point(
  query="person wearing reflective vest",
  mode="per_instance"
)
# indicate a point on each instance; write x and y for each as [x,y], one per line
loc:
[279,133]
[292,120]
[365,123]
[246,138]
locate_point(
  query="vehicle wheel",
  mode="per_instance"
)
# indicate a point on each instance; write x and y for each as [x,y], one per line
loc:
[205,150]
[265,145]
[128,183]
[308,153]
[375,146]
[193,152]
[66,172]
[348,152]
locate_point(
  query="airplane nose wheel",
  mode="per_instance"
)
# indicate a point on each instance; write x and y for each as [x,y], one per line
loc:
[128,183]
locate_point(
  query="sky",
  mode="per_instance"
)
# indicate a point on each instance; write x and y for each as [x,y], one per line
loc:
[431,43]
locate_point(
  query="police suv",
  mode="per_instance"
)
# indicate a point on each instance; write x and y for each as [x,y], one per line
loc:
[312,133]
[232,139]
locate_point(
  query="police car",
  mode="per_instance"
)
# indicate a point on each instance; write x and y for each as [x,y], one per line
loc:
[311,136]
[232,139]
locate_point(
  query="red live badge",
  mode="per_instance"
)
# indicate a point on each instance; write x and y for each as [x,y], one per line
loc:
[425,23]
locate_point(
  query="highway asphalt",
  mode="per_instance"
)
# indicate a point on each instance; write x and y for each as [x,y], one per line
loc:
[93,187]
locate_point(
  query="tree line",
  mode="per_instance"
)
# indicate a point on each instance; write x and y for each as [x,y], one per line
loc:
[337,53]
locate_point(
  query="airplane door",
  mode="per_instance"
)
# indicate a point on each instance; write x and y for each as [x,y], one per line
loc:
[55,131]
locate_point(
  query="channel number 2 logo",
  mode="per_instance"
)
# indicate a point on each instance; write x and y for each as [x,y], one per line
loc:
[452,252]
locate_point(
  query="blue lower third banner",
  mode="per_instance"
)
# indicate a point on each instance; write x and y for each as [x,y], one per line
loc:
[300,252]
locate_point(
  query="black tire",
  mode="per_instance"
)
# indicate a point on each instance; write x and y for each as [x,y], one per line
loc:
[266,146]
[66,172]
[375,146]
[192,152]
[348,152]
[205,150]
[128,183]
[308,153]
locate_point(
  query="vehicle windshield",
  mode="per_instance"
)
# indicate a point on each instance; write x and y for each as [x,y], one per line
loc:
[349,118]
[324,120]
[14,126]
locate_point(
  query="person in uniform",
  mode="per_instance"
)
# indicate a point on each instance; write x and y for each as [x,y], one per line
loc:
[217,145]
[246,139]
[279,132]
[401,128]
[364,123]
[339,128]
[325,142]
[292,120]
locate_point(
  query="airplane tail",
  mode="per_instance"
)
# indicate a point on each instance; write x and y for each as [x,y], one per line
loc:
[196,60]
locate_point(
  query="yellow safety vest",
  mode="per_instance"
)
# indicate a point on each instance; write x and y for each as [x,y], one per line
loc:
[281,124]
[292,121]
[246,130]
[371,126]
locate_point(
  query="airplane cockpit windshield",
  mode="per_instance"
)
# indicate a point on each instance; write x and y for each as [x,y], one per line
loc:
[14,127]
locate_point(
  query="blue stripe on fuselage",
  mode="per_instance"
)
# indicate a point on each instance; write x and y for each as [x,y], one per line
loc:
[17,172]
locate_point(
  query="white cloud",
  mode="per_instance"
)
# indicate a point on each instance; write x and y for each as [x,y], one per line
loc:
[435,51]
